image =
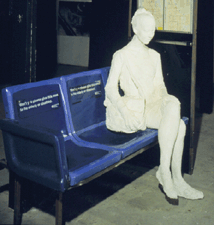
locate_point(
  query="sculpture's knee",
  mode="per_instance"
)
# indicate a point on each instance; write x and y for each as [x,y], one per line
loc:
[175,107]
[172,107]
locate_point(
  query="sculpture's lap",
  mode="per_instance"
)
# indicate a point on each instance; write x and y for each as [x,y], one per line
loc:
[150,118]
[153,115]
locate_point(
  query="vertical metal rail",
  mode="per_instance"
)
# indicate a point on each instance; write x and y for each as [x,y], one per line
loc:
[31,39]
[193,84]
[23,40]
[129,21]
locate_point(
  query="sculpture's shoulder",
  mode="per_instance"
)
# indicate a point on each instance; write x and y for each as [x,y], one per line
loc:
[154,53]
[119,54]
[155,56]
[121,51]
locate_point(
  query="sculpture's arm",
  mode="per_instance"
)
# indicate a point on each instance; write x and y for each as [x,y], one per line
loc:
[112,92]
[159,84]
[111,89]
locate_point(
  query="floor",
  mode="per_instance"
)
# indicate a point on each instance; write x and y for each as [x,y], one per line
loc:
[127,195]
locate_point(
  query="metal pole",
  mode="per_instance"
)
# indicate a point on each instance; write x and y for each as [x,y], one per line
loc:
[129,22]
[193,84]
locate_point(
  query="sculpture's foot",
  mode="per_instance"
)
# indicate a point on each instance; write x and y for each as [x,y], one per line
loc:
[167,187]
[186,191]
[172,201]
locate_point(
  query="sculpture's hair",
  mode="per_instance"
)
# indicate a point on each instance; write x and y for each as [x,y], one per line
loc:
[138,13]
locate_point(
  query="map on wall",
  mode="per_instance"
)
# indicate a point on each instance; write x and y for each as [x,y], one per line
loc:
[170,15]
[156,8]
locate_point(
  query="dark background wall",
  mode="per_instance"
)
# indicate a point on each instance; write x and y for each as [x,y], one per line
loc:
[28,40]
[46,37]
[108,31]
[4,42]
[205,55]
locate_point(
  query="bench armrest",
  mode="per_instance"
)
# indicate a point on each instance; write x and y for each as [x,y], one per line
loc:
[36,153]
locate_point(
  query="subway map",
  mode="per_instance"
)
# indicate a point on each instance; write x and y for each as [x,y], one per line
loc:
[171,15]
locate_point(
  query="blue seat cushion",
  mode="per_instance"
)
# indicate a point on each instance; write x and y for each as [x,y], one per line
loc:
[125,143]
[84,162]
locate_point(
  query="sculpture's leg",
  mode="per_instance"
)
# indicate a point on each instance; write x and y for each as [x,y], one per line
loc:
[181,187]
[178,153]
[167,134]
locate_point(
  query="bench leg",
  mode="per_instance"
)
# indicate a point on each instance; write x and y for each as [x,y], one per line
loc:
[11,189]
[59,209]
[17,201]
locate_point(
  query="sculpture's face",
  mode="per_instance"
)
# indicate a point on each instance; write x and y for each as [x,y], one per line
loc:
[145,29]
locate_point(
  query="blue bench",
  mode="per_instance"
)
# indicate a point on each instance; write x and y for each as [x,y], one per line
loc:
[55,134]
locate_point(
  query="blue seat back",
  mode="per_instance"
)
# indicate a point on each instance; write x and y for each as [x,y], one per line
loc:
[40,103]
[85,97]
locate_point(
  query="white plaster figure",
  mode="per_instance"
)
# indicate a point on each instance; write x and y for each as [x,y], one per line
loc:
[146,103]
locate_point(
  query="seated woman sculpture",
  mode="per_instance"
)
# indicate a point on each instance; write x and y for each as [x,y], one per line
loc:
[146,103]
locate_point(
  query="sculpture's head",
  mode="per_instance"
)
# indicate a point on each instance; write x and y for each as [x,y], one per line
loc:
[143,25]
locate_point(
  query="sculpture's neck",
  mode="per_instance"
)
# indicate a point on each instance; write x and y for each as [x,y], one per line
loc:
[139,43]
